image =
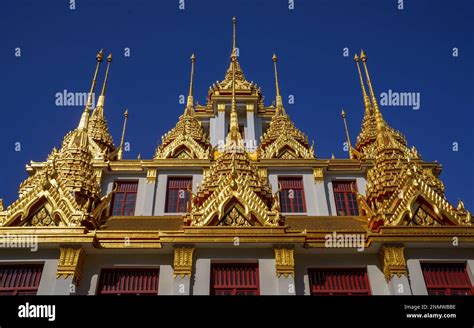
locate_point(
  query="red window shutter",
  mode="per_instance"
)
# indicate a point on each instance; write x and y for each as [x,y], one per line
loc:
[22,279]
[447,279]
[325,282]
[234,279]
[129,281]
[345,197]
[292,195]
[177,194]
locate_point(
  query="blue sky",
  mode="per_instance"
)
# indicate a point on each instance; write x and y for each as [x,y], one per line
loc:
[409,50]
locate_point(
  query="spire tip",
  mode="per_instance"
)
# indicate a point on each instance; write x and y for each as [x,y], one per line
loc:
[100,56]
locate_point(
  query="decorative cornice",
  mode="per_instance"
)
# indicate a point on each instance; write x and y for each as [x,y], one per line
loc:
[318,175]
[183,261]
[393,261]
[151,175]
[70,263]
[284,261]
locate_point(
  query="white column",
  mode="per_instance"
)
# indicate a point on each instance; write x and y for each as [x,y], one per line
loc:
[220,127]
[417,281]
[150,188]
[250,133]
[202,280]
[399,285]
[267,277]
[377,282]
[286,285]
[166,281]
[181,285]
[64,286]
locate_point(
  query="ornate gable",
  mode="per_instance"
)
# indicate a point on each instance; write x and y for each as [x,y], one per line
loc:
[233,194]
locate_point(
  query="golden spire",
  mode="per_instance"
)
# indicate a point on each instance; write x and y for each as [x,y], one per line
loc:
[100,102]
[364,93]
[380,123]
[282,139]
[233,138]
[120,152]
[343,115]
[279,102]
[190,96]
[363,57]
[83,123]
[234,23]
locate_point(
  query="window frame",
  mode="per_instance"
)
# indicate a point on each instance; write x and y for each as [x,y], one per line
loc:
[346,201]
[303,197]
[187,197]
[124,201]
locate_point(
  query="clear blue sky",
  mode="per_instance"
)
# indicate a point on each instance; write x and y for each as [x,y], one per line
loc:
[409,50]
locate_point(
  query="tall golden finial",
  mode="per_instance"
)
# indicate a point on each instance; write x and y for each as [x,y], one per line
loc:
[233,138]
[233,111]
[125,117]
[234,23]
[279,102]
[364,93]
[378,115]
[100,102]
[343,115]
[190,96]
[363,58]
[83,123]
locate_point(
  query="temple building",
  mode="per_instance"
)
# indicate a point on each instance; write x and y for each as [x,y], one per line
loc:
[235,201]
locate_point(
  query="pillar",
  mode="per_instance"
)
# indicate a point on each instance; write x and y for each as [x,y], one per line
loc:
[150,187]
[182,267]
[71,261]
[285,270]
[250,133]
[395,269]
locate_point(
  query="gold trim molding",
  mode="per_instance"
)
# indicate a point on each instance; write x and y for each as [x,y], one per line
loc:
[284,261]
[70,263]
[183,261]
[393,261]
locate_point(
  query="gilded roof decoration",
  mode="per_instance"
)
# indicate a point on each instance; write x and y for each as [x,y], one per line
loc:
[365,145]
[397,184]
[187,139]
[63,191]
[282,139]
[232,192]
[98,128]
